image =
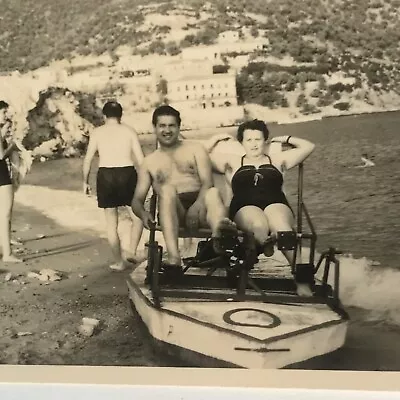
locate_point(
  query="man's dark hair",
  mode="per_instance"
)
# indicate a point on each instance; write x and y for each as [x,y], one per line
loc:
[256,125]
[112,109]
[166,110]
[3,104]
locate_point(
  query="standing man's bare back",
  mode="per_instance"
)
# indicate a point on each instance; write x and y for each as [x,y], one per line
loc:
[117,145]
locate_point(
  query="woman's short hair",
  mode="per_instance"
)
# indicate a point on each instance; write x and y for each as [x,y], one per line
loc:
[255,125]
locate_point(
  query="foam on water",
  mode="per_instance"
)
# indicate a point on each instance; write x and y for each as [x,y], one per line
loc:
[364,283]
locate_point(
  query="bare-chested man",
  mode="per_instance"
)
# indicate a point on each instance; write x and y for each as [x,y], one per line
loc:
[181,175]
[120,154]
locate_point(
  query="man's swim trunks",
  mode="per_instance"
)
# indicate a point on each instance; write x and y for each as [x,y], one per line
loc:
[116,186]
[188,199]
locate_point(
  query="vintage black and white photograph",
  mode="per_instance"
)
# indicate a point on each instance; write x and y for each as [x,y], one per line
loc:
[200,184]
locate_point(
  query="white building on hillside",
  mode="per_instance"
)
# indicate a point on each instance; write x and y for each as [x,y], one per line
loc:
[207,91]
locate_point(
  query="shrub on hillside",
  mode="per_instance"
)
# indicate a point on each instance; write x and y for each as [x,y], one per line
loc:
[309,109]
[343,106]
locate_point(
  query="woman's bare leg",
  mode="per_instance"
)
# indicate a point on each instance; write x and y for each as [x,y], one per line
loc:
[7,202]
[280,218]
[252,219]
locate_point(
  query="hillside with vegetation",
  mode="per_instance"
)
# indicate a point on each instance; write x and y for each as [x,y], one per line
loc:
[336,55]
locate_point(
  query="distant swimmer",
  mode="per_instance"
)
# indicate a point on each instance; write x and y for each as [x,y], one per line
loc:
[367,162]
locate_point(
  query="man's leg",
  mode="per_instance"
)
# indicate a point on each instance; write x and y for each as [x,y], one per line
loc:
[113,238]
[216,213]
[171,211]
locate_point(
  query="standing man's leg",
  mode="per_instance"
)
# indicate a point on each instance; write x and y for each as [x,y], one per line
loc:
[136,235]
[111,215]
[7,202]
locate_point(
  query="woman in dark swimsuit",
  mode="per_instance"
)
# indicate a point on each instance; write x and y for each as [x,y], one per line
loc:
[258,203]
[6,191]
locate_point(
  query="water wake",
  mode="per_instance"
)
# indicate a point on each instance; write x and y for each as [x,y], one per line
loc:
[367,285]
[363,282]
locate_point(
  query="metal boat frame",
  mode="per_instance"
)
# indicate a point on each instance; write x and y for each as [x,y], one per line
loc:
[237,263]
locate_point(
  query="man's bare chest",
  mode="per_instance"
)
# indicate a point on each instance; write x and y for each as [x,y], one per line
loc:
[167,168]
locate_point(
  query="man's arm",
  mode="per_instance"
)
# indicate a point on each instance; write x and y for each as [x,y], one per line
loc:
[204,169]
[142,188]
[136,147]
[87,162]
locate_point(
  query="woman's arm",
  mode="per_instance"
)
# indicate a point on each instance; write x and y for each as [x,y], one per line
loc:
[9,150]
[290,158]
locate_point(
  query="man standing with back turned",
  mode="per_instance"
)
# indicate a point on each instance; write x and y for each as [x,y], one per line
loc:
[120,154]
[181,175]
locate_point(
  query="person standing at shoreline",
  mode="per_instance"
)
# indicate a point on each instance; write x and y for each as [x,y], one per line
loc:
[6,187]
[120,154]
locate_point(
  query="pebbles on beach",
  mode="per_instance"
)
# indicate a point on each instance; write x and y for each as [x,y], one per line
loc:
[88,326]
[46,275]
[8,277]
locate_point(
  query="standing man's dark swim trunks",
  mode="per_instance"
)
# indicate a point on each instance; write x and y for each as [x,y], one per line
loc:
[115,186]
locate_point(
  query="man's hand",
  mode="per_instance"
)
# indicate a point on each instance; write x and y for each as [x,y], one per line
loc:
[193,216]
[87,190]
[148,220]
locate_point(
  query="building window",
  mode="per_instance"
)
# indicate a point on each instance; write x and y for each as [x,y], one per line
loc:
[187,87]
[212,94]
[187,97]
[204,96]
[178,89]
[202,86]
[194,87]
[219,94]
[211,86]
[213,104]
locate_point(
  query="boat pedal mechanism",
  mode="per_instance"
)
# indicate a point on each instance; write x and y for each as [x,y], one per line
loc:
[286,240]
